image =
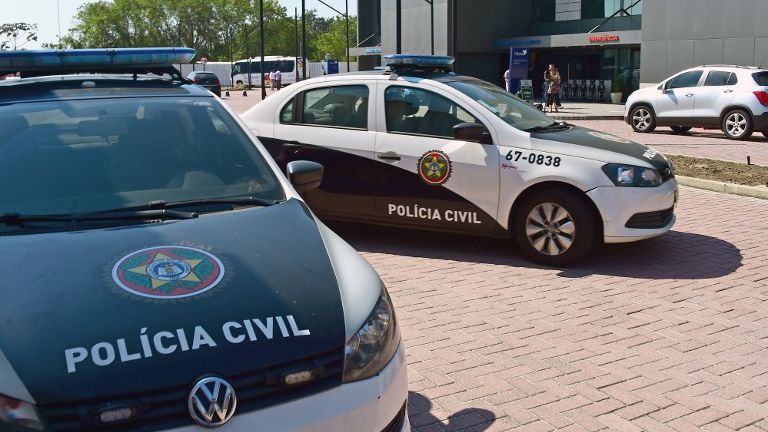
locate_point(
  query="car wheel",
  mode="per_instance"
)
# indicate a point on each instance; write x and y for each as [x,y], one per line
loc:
[765,134]
[680,129]
[643,120]
[555,227]
[737,125]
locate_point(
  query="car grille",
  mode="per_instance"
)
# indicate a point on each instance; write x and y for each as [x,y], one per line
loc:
[167,408]
[651,220]
[396,425]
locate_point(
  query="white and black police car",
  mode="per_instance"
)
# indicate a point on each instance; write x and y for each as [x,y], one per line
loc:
[160,273]
[419,146]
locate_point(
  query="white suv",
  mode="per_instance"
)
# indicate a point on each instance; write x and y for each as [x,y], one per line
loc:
[731,98]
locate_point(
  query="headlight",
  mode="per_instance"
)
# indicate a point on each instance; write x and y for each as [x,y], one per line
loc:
[18,413]
[629,175]
[373,346]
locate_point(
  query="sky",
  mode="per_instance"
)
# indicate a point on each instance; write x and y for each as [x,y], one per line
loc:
[44,13]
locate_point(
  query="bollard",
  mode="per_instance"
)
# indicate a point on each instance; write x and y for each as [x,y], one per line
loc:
[226,93]
[245,93]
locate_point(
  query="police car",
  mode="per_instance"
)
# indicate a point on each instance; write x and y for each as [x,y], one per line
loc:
[421,147]
[160,273]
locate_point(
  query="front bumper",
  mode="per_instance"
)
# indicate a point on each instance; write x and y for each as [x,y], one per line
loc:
[617,205]
[362,406]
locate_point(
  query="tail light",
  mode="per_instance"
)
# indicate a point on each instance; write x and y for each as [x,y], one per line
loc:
[196,81]
[217,82]
[762,97]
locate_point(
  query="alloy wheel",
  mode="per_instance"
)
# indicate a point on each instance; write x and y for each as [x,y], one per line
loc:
[641,118]
[550,229]
[736,124]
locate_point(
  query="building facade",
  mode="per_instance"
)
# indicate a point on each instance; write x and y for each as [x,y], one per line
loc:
[642,41]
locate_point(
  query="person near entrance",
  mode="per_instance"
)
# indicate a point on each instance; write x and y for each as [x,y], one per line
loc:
[508,80]
[552,77]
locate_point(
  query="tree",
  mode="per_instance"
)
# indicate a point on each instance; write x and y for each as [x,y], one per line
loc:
[16,35]
[218,29]
[333,41]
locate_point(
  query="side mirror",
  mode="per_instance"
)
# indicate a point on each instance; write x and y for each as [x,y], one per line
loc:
[472,132]
[304,175]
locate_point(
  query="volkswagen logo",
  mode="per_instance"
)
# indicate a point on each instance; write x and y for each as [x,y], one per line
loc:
[212,402]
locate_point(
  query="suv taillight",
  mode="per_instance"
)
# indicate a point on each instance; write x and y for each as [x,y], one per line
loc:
[217,82]
[762,97]
[196,81]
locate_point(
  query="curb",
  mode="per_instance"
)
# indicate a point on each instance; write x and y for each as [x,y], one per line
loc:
[726,188]
[586,117]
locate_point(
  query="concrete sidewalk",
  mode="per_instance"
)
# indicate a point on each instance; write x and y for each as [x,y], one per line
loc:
[588,111]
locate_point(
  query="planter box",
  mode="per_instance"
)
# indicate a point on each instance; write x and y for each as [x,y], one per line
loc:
[616,98]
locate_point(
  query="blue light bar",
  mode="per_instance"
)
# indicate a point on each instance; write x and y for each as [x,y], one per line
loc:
[21,61]
[420,61]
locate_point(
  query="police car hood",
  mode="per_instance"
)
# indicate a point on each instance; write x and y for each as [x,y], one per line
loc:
[600,146]
[131,310]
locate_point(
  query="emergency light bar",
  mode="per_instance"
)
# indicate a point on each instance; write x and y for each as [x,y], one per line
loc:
[427,63]
[104,60]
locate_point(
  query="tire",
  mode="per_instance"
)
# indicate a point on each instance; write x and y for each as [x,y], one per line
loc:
[737,125]
[642,119]
[555,208]
[765,134]
[680,129]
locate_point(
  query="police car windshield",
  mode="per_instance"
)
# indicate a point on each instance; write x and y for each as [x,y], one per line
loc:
[509,108]
[74,156]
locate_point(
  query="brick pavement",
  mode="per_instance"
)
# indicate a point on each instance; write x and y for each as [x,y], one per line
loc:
[709,144]
[670,334]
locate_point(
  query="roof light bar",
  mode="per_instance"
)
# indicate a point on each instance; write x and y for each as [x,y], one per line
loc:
[102,58]
[396,61]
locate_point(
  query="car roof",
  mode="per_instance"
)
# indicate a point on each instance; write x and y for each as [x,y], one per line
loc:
[88,86]
[377,75]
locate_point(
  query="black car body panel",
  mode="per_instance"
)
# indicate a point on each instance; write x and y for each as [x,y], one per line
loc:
[274,263]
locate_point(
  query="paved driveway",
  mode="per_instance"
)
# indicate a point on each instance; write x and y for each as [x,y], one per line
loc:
[667,334]
[709,144]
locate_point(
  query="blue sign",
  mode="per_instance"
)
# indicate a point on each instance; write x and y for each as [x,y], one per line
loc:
[506,43]
[518,67]
[331,67]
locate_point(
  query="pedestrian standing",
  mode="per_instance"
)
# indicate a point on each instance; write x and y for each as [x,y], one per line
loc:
[278,79]
[553,93]
[272,80]
[508,80]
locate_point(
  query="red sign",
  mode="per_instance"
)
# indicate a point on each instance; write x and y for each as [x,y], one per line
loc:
[603,38]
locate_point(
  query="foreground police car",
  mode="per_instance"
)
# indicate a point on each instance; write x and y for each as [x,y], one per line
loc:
[425,148]
[161,274]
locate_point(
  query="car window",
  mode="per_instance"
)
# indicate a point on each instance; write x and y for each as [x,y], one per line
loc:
[732,80]
[421,112]
[687,79]
[73,156]
[718,78]
[514,111]
[206,78]
[286,114]
[341,106]
[761,78]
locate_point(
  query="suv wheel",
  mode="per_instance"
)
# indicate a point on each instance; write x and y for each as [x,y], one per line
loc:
[555,227]
[642,119]
[765,134]
[680,129]
[737,125]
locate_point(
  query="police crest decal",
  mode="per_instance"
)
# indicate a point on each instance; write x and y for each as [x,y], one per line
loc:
[435,168]
[168,272]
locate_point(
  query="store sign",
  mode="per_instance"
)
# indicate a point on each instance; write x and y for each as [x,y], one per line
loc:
[603,38]
[518,66]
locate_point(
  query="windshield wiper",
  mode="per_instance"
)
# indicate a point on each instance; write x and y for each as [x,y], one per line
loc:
[556,126]
[16,219]
[247,200]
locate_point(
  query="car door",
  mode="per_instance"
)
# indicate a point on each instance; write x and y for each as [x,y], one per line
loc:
[425,177]
[712,97]
[675,104]
[328,124]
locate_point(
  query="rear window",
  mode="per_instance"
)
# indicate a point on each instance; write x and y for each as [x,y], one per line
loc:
[70,156]
[206,78]
[718,78]
[761,78]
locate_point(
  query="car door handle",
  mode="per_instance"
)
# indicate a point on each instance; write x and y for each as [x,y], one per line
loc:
[390,156]
[689,95]
[727,91]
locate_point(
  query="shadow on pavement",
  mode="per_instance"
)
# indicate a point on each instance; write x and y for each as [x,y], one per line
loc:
[756,137]
[470,419]
[675,255]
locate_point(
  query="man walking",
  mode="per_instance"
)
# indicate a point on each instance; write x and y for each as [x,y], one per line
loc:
[278,79]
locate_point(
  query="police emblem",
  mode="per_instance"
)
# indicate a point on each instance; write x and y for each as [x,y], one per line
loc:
[168,272]
[434,168]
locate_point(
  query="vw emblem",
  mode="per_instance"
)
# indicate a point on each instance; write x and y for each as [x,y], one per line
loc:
[212,402]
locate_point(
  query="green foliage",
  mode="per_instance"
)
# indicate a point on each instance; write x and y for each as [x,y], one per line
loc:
[218,29]
[14,36]
[619,84]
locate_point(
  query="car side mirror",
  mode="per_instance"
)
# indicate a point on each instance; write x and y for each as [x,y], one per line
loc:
[472,132]
[304,175]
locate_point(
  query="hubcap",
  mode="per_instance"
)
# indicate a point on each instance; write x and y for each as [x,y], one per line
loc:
[550,229]
[736,124]
[641,119]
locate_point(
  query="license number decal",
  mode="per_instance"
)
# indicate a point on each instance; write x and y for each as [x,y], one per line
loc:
[534,158]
